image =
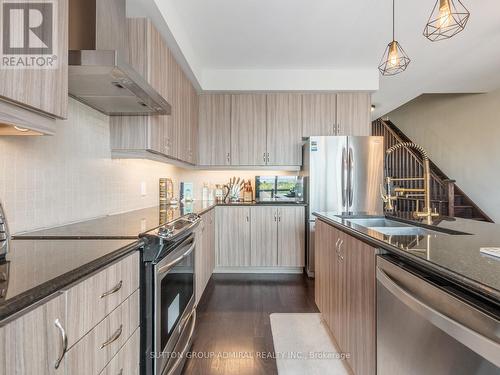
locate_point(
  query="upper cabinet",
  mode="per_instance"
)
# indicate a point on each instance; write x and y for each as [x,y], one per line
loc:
[319,114]
[284,129]
[248,129]
[354,113]
[215,129]
[345,113]
[34,80]
[158,137]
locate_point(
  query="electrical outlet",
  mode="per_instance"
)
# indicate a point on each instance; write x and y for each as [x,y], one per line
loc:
[143,189]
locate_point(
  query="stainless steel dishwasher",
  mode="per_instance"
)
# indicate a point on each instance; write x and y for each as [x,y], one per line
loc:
[426,326]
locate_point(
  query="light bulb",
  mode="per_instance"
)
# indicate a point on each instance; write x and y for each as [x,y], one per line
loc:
[444,18]
[393,54]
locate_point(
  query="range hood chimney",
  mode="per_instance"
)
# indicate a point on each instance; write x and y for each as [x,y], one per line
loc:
[99,73]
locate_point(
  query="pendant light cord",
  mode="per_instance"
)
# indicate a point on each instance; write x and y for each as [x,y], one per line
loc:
[393,23]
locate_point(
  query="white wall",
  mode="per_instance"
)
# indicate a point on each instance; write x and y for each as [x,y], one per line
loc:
[54,180]
[461,133]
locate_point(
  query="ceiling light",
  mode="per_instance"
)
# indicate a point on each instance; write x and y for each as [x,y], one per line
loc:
[18,128]
[448,18]
[394,60]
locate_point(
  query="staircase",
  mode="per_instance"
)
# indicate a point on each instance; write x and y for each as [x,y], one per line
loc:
[446,197]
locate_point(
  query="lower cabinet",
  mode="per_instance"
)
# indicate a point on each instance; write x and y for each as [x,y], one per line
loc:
[99,318]
[345,286]
[260,236]
[31,344]
[233,236]
[205,252]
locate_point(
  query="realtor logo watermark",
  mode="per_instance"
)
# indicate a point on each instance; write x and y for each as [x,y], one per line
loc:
[29,32]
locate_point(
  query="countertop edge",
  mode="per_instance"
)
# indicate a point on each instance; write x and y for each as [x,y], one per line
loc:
[479,288]
[32,298]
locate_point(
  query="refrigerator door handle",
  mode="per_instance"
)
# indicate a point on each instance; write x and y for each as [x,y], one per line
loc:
[350,178]
[344,179]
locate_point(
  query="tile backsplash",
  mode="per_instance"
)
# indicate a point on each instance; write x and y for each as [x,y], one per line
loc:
[69,177]
[52,180]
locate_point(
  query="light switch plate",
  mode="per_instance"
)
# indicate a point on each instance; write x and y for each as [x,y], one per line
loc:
[143,189]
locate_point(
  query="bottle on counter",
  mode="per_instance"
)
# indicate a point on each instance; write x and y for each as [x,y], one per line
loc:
[247,192]
[205,192]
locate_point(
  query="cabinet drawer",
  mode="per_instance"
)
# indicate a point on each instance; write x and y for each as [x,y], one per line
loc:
[126,362]
[91,354]
[93,299]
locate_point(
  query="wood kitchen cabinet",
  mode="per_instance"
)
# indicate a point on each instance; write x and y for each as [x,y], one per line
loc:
[233,236]
[32,344]
[354,113]
[343,113]
[31,98]
[319,114]
[158,137]
[291,236]
[345,286]
[260,236]
[215,129]
[248,129]
[98,315]
[284,129]
[264,236]
[150,57]
[205,252]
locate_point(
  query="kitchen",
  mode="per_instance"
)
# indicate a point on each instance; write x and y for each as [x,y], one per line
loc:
[165,209]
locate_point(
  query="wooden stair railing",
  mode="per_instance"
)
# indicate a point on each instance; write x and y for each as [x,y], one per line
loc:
[446,197]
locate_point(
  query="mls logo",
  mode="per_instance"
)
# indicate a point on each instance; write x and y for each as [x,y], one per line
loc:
[28,34]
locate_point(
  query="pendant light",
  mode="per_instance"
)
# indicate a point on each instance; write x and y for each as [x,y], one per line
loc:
[447,19]
[394,60]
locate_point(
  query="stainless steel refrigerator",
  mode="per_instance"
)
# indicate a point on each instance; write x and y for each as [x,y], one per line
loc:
[342,174]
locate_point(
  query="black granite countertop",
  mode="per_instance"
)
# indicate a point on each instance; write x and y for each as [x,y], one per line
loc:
[451,255]
[37,269]
[129,225]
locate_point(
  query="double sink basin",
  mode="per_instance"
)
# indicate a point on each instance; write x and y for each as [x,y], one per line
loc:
[390,227]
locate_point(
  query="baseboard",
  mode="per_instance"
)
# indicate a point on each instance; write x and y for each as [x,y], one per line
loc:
[292,270]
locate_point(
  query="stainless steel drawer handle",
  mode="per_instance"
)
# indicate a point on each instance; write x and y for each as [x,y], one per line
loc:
[115,289]
[64,343]
[113,337]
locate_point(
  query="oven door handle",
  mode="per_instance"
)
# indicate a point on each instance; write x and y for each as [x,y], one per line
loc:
[174,368]
[169,265]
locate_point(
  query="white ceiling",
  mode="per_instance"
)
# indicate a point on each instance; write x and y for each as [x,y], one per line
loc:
[326,45]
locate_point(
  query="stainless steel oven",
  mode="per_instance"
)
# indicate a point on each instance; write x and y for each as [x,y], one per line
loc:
[174,307]
[168,315]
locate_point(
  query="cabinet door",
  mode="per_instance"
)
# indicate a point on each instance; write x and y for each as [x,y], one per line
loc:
[248,129]
[353,113]
[215,129]
[32,343]
[324,240]
[319,114]
[44,90]
[199,259]
[284,129]
[158,59]
[175,77]
[233,231]
[264,236]
[193,124]
[360,305]
[291,236]
[338,308]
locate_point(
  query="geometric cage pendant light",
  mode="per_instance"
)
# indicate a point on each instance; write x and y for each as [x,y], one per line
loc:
[394,60]
[448,18]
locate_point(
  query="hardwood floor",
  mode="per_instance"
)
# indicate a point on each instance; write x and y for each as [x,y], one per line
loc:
[233,334]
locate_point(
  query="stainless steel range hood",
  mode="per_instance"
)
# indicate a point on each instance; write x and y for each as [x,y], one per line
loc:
[99,73]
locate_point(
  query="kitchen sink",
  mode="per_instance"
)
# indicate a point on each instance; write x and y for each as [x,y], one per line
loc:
[404,231]
[376,222]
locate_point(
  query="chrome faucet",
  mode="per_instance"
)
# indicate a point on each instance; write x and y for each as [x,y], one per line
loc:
[389,198]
